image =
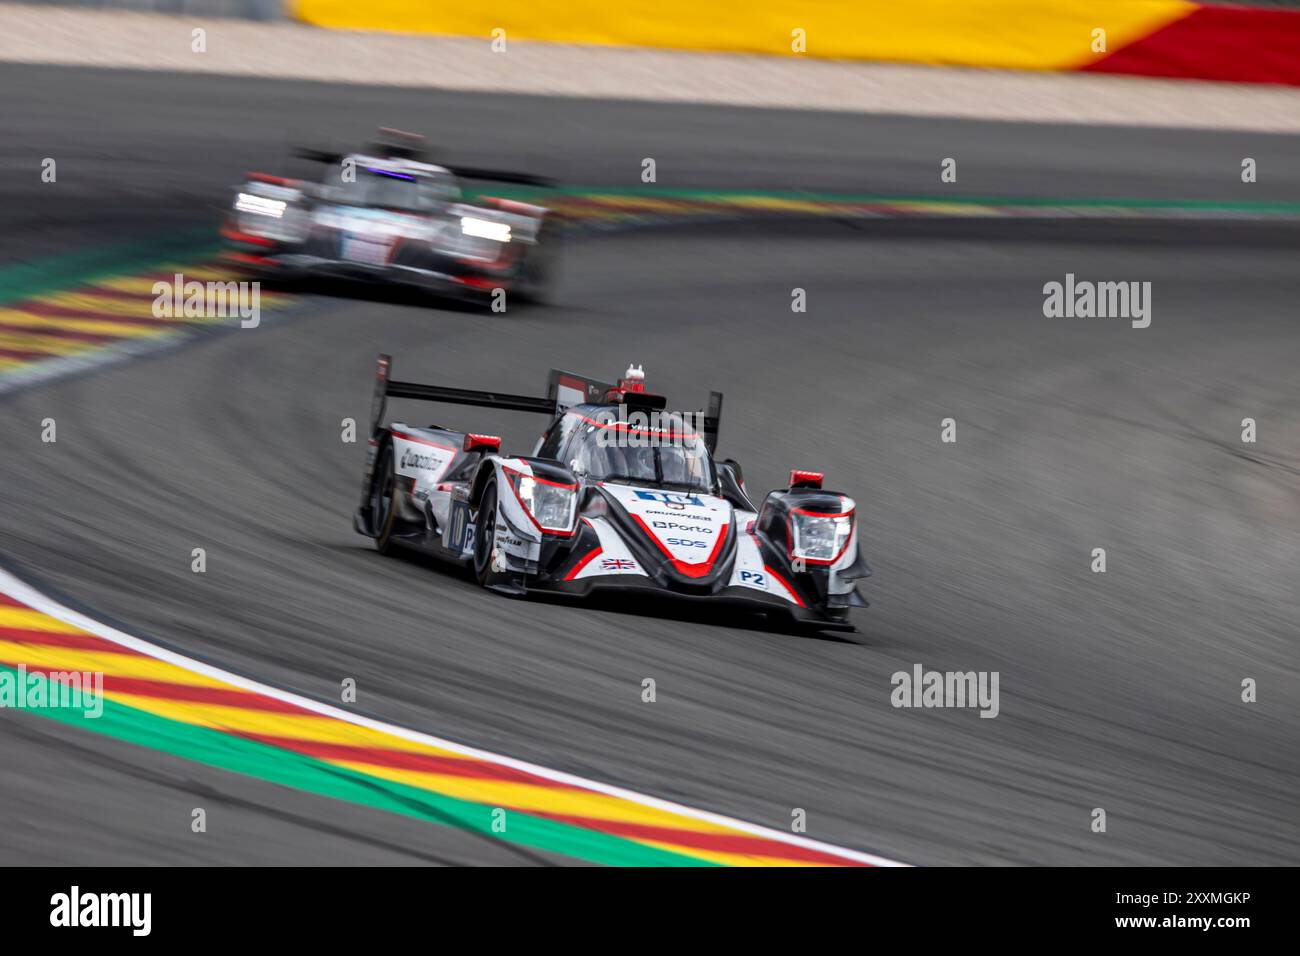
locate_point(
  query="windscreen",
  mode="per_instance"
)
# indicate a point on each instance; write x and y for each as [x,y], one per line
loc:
[675,460]
[384,189]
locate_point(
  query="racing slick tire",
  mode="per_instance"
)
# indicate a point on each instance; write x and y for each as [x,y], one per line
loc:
[382,507]
[485,535]
[535,279]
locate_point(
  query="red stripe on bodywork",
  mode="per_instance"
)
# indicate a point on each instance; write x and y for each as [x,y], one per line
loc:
[250,259]
[624,427]
[271,180]
[686,568]
[424,441]
[236,236]
[1234,44]
[577,568]
[556,532]
[785,584]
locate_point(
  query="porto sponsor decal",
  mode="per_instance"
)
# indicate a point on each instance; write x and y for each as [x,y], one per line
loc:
[685,528]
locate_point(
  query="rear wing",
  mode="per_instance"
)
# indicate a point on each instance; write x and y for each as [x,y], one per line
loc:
[564,390]
[328,156]
[385,387]
[501,176]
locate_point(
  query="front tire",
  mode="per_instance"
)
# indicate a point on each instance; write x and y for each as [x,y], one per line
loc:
[485,534]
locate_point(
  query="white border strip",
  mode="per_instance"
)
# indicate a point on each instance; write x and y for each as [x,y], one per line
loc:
[20,591]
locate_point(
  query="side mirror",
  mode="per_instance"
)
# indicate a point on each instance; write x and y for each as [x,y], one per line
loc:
[731,482]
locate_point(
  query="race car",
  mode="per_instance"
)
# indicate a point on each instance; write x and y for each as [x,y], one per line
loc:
[385,214]
[619,495]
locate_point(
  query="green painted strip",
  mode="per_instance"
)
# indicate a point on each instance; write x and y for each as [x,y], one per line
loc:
[55,273]
[51,274]
[999,202]
[284,767]
[60,272]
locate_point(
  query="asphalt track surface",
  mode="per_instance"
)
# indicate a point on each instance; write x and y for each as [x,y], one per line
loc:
[1118,690]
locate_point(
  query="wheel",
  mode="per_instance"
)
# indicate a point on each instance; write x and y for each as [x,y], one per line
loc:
[535,280]
[382,508]
[485,534]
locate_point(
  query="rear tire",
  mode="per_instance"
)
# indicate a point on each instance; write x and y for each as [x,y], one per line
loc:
[535,282]
[383,509]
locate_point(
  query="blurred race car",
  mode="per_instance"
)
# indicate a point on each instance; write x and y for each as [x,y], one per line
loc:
[385,214]
[619,495]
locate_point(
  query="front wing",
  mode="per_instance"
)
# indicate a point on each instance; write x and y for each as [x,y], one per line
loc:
[597,560]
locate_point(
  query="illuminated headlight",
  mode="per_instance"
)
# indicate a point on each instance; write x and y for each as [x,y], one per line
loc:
[820,538]
[552,506]
[485,229]
[260,205]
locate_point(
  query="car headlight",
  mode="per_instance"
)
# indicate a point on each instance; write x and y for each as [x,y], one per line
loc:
[819,538]
[485,229]
[260,205]
[551,506]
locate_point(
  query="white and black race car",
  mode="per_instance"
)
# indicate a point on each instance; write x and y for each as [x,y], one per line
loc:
[618,495]
[383,214]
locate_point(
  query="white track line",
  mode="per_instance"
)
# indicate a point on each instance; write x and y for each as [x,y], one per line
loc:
[20,591]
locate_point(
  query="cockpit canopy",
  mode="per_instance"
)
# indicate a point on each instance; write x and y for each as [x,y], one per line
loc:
[650,448]
[384,184]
